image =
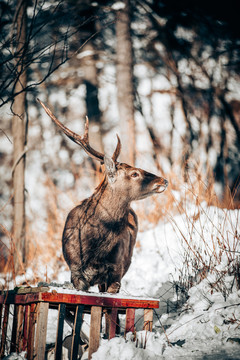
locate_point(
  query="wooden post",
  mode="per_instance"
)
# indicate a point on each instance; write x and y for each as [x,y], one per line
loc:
[13,347]
[31,331]
[148,319]
[96,317]
[76,331]
[130,318]
[1,307]
[19,336]
[26,327]
[58,345]
[42,315]
[113,323]
[4,330]
[32,308]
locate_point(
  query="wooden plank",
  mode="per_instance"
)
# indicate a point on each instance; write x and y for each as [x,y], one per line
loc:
[113,323]
[31,290]
[148,319]
[58,345]
[26,327]
[12,298]
[76,331]
[96,317]
[20,321]
[106,301]
[25,299]
[130,319]
[13,347]
[103,301]
[31,331]
[4,330]
[42,315]
[1,308]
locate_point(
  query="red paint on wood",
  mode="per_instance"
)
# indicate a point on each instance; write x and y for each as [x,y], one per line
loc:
[58,298]
[98,301]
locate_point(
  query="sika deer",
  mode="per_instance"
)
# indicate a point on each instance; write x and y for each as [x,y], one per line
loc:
[100,233]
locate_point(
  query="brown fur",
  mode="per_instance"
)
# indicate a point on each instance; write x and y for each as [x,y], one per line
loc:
[100,233]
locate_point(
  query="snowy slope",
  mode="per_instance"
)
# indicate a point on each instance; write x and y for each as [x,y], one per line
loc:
[207,324]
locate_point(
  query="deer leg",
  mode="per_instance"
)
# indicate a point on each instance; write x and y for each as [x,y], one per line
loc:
[79,282]
[102,288]
[114,287]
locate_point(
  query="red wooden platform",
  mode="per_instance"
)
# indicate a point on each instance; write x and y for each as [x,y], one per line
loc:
[30,313]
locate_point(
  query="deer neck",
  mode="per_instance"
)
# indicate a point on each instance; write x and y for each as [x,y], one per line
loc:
[111,204]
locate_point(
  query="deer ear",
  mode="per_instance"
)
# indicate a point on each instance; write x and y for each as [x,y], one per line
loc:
[110,168]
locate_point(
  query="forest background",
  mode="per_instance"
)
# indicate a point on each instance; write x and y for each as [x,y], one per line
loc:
[163,74]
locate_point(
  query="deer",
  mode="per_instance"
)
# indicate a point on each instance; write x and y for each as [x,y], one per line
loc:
[100,233]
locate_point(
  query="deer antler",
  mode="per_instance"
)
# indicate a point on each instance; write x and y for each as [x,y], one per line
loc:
[83,141]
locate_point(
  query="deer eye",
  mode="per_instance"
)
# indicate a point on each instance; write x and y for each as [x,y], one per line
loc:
[135,175]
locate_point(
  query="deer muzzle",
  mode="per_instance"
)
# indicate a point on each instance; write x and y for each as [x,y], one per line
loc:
[160,186]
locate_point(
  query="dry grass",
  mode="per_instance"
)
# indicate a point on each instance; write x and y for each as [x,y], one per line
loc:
[210,231]
[44,248]
[210,235]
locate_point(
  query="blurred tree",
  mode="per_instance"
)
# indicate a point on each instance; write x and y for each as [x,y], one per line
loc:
[19,137]
[201,70]
[189,51]
[124,82]
[32,48]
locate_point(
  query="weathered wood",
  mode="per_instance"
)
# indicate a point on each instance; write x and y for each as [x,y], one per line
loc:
[1,307]
[113,323]
[13,347]
[31,290]
[20,321]
[20,299]
[58,345]
[96,317]
[26,298]
[26,327]
[104,301]
[76,331]
[4,330]
[31,331]
[36,307]
[130,319]
[42,315]
[148,319]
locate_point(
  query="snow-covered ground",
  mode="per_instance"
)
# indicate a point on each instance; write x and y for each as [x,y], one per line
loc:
[207,324]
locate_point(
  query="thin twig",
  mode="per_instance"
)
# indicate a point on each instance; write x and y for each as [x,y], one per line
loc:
[19,158]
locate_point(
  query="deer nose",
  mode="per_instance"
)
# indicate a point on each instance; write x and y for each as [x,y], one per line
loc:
[165,182]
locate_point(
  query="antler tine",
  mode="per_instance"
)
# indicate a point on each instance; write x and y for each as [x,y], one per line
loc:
[83,141]
[117,150]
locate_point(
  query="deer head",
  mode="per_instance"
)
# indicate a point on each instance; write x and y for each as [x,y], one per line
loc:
[128,181]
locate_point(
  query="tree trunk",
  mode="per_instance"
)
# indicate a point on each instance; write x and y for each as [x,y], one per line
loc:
[125,86]
[88,66]
[19,140]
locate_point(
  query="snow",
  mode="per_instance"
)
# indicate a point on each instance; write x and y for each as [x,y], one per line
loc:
[206,322]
